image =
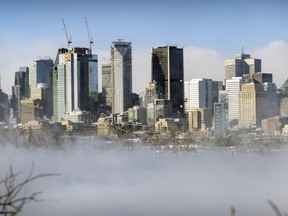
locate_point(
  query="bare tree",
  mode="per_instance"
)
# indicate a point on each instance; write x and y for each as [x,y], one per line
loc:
[276,209]
[12,196]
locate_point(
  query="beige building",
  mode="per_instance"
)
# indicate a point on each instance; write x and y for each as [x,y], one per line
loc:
[150,94]
[171,124]
[137,114]
[103,126]
[200,119]
[284,106]
[254,104]
[31,110]
[275,126]
[270,126]
[106,84]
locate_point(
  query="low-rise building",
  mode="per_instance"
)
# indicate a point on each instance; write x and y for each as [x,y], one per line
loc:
[171,124]
[274,126]
[78,117]
[137,114]
[103,126]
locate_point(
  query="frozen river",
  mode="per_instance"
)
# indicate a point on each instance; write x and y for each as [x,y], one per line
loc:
[101,179]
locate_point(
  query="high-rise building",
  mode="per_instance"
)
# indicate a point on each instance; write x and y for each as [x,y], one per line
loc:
[41,73]
[75,81]
[217,86]
[20,90]
[121,76]
[259,76]
[219,123]
[160,108]
[106,84]
[198,94]
[254,102]
[151,93]
[4,107]
[240,65]
[233,86]
[168,73]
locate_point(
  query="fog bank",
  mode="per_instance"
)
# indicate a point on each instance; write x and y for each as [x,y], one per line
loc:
[119,181]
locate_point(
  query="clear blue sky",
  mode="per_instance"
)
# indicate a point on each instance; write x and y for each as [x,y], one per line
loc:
[224,25]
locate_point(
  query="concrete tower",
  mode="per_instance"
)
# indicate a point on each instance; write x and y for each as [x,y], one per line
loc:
[121,76]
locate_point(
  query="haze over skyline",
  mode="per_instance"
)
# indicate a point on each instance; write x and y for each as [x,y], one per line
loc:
[209,31]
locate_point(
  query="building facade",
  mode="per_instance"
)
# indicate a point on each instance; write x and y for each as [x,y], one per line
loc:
[220,121]
[41,73]
[20,90]
[198,94]
[106,85]
[121,76]
[75,81]
[168,73]
[259,76]
[254,102]
[160,108]
[240,65]
[200,119]
[4,107]
[233,86]
[151,93]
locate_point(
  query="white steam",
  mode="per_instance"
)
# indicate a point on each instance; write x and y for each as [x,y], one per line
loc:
[110,182]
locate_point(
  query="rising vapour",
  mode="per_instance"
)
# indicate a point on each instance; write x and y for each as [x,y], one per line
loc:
[104,180]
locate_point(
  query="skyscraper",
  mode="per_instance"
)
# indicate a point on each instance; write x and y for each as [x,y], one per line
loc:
[75,81]
[4,107]
[41,73]
[240,65]
[20,90]
[198,94]
[254,103]
[106,84]
[121,76]
[168,73]
[233,86]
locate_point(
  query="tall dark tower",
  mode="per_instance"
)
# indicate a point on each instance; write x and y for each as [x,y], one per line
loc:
[168,73]
[20,90]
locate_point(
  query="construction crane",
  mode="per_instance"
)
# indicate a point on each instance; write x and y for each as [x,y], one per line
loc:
[67,37]
[89,36]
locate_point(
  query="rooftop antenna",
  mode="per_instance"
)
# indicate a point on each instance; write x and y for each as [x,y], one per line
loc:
[90,38]
[67,37]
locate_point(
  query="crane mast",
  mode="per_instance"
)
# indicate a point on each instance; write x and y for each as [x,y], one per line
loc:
[90,38]
[69,39]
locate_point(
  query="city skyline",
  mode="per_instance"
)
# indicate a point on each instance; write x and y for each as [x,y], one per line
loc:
[207,31]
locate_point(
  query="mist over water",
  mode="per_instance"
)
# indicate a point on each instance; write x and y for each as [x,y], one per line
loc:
[98,178]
